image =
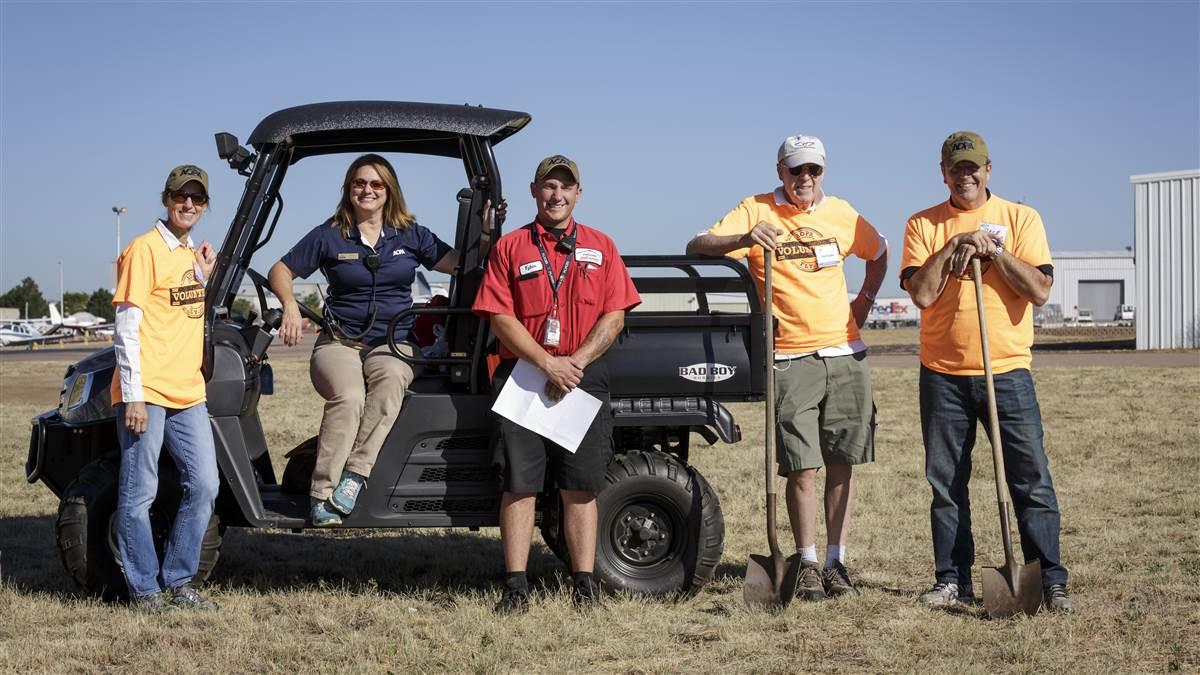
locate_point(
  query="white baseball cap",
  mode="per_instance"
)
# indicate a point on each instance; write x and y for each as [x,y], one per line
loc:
[797,150]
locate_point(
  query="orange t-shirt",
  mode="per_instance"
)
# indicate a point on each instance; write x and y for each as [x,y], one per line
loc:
[950,340]
[162,283]
[810,300]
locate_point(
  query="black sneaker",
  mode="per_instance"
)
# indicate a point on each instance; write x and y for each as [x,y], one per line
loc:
[187,597]
[948,594]
[586,594]
[836,579]
[1057,599]
[514,601]
[151,603]
[808,582]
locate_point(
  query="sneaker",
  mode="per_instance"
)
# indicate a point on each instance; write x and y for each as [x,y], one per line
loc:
[514,601]
[1057,599]
[836,579]
[808,582]
[187,597]
[323,515]
[948,594]
[346,493]
[151,603]
[586,594]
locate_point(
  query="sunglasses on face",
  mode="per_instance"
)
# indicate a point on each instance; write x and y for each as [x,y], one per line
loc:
[197,199]
[813,170]
[361,184]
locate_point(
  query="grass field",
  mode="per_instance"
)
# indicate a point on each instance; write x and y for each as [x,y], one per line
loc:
[1124,445]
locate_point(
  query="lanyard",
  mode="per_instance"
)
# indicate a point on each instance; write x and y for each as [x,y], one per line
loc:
[554,285]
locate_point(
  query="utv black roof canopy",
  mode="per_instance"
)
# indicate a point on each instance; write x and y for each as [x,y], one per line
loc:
[384,126]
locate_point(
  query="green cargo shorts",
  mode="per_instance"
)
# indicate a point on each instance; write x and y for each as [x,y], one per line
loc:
[824,412]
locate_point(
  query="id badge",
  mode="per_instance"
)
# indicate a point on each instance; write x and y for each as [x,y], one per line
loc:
[552,332]
[827,255]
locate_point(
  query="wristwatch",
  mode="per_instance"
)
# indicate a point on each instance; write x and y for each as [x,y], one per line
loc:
[997,251]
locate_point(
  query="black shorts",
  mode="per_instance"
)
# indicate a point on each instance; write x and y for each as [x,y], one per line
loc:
[521,457]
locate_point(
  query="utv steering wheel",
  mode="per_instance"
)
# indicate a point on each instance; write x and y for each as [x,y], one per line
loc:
[260,282]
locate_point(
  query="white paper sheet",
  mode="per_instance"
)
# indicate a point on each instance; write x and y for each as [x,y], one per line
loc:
[523,401]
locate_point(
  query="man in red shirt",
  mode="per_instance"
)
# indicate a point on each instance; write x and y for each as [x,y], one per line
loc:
[556,293]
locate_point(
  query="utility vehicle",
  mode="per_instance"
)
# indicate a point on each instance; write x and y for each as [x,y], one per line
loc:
[661,529]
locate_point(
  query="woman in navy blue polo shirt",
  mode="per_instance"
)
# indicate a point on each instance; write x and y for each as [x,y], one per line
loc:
[369,252]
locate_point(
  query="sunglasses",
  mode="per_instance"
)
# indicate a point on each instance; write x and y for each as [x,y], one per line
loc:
[361,184]
[813,170]
[197,199]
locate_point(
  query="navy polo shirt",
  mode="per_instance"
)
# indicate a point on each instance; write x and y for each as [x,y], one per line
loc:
[342,261]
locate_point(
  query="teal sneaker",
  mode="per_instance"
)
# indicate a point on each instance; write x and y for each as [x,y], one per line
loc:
[346,493]
[322,515]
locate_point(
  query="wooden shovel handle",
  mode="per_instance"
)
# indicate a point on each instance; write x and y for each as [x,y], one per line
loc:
[993,415]
[769,357]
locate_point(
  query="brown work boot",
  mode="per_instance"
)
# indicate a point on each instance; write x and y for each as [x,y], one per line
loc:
[836,579]
[808,582]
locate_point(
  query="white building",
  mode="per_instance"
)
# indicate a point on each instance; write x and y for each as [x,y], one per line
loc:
[1100,281]
[1166,209]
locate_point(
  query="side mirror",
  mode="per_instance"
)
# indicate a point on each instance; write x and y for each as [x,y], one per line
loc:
[228,149]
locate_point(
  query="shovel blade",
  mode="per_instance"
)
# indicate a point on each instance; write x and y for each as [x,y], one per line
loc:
[1012,589]
[770,582]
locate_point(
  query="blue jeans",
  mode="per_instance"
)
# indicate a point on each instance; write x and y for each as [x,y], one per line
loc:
[189,439]
[951,405]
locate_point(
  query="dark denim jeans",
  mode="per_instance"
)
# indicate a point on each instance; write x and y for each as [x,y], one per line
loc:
[187,435]
[951,406]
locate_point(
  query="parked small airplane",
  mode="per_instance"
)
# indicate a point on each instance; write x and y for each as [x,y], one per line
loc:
[79,322]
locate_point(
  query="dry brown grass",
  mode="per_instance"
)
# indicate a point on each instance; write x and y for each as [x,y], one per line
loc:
[1123,446]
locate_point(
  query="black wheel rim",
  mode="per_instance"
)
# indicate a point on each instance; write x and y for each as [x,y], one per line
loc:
[644,535]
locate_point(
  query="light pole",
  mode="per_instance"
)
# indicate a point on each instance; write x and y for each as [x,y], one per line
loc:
[117,210]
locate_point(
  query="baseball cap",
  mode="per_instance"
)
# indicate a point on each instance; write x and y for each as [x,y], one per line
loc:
[797,150]
[964,145]
[184,174]
[553,162]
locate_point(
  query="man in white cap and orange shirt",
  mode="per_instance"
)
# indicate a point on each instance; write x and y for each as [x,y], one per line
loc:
[825,412]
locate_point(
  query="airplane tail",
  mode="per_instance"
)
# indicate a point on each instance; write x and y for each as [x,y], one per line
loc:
[55,317]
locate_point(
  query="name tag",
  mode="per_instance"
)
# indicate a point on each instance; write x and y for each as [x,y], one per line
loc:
[589,255]
[828,255]
[998,231]
[530,268]
[347,256]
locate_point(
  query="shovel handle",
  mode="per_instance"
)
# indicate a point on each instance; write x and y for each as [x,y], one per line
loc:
[769,357]
[769,432]
[993,415]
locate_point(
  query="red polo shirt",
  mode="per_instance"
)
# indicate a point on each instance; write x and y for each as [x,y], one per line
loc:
[516,283]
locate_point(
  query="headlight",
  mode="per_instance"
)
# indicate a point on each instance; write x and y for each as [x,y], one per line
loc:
[77,391]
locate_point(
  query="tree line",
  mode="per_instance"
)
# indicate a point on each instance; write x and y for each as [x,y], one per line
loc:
[27,298]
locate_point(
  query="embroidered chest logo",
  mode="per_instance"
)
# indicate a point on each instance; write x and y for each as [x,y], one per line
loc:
[809,250]
[189,295]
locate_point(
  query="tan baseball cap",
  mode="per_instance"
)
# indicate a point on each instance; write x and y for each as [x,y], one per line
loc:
[184,174]
[553,162]
[964,145]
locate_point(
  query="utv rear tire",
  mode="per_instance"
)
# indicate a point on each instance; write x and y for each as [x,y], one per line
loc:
[661,532]
[86,528]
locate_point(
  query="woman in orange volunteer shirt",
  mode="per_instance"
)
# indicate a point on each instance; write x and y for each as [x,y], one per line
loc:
[159,396]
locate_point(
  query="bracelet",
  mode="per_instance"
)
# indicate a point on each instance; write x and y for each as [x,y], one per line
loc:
[869,296]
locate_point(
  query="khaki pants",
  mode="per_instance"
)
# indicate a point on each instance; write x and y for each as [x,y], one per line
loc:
[363,389]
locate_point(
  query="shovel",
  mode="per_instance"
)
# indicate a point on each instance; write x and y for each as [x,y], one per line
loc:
[1013,588]
[770,579]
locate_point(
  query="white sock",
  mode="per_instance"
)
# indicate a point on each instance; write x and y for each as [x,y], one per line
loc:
[808,553]
[835,552]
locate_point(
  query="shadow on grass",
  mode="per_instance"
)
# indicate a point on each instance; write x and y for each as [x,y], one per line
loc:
[29,559]
[372,561]
[439,562]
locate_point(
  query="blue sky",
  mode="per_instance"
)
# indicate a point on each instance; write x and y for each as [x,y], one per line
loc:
[672,110]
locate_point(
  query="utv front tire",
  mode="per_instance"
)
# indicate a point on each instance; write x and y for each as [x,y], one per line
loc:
[660,526]
[86,528]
